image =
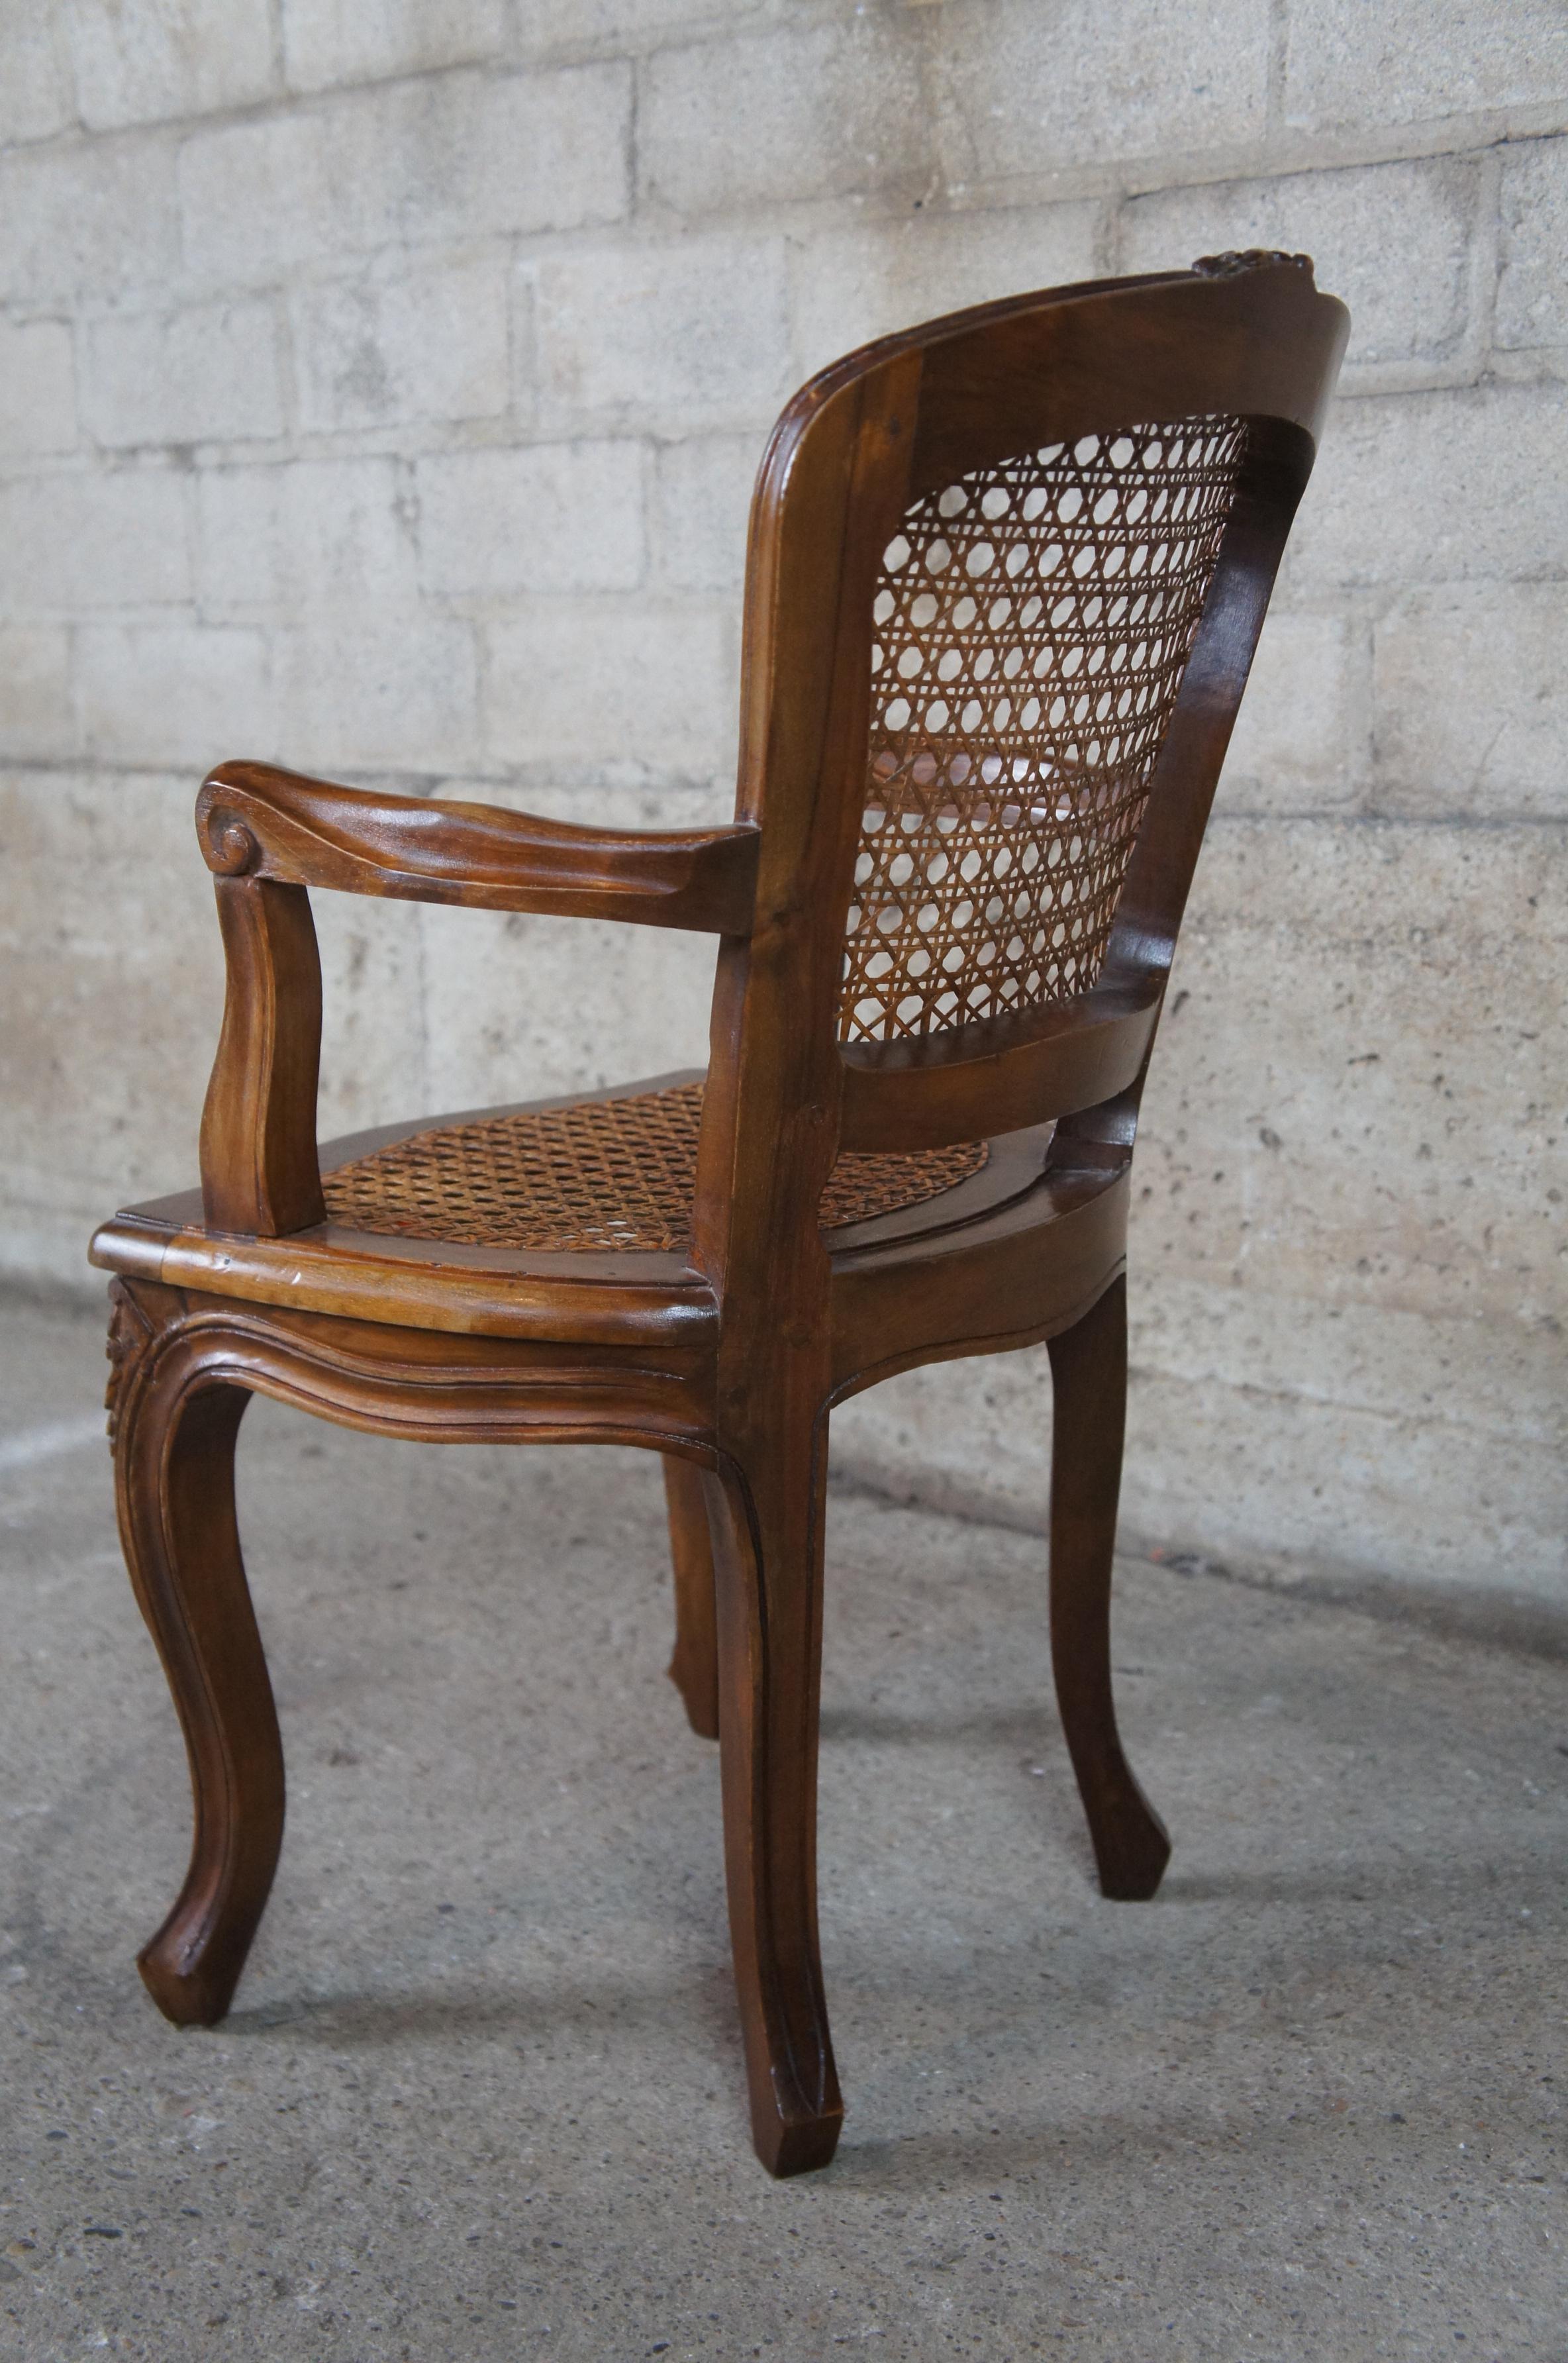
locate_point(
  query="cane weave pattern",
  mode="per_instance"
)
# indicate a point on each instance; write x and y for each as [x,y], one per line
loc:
[1031,625]
[618,1174]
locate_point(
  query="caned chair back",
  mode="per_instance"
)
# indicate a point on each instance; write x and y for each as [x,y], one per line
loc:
[1005,579]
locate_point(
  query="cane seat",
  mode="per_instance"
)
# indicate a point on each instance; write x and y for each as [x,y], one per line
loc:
[595,1174]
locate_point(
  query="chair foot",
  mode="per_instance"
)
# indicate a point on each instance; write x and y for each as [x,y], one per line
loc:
[797,2145]
[174,1482]
[1088,1370]
[192,1997]
[1132,1847]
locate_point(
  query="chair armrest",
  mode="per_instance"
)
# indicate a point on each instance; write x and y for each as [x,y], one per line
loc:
[267,835]
[256,821]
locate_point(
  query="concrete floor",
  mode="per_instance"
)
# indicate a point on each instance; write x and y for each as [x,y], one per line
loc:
[481,2092]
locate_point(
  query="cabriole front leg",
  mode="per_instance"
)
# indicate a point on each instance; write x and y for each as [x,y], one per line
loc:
[174,1483]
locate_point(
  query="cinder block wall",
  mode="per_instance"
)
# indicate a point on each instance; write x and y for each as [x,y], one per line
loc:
[380,389]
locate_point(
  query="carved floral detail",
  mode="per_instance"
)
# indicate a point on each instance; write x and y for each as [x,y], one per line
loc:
[131,1334]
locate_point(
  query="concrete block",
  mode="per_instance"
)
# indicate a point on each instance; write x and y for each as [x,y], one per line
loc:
[1301,741]
[520,1007]
[85,221]
[1357,1091]
[37,720]
[550,28]
[352,698]
[429,344]
[141,60]
[257,198]
[1385,1443]
[1471,690]
[684,333]
[328,41]
[1498,1379]
[1420,60]
[622,690]
[700,503]
[324,536]
[69,544]
[539,152]
[111,972]
[1392,1443]
[375,1053]
[801,111]
[1418,1448]
[849,285]
[37,388]
[1533,290]
[1432,1502]
[549,516]
[164,695]
[1431,487]
[1027,90]
[457,157]
[1394,240]
[206,375]
[35,75]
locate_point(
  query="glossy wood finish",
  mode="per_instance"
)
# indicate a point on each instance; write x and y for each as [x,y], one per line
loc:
[767,1521]
[998,1075]
[725,1361]
[260,1172]
[175,1428]
[1088,1374]
[254,820]
[694,1667]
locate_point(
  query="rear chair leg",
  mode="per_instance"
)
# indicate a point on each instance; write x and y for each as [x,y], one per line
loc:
[768,1535]
[1088,1370]
[694,1668]
[174,1483]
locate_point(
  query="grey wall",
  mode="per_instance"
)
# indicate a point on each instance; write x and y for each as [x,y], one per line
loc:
[380,389]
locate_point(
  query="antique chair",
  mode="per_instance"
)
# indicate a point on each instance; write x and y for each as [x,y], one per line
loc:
[1006,574]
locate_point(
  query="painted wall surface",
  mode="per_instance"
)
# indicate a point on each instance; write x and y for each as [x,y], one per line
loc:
[381,387]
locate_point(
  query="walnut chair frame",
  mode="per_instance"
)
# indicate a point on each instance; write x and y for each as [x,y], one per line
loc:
[723,1345]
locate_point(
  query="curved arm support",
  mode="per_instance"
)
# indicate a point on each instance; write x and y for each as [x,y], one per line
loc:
[256,821]
[260,1176]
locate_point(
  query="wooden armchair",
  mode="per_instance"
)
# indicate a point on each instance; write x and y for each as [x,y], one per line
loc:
[1006,575]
